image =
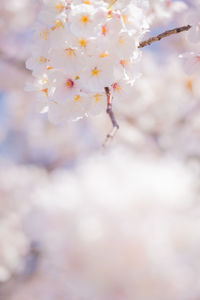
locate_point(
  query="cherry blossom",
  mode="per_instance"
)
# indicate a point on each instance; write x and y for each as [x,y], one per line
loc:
[83,47]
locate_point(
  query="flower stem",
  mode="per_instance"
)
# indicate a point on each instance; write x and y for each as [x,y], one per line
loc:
[111,115]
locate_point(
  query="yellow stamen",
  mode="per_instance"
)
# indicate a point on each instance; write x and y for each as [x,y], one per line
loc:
[70,52]
[125,18]
[44,81]
[189,84]
[44,34]
[95,72]
[97,97]
[124,62]
[45,91]
[82,43]
[77,98]
[43,59]
[109,15]
[60,7]
[58,24]
[121,40]
[104,54]
[104,30]
[86,2]
[48,68]
[85,19]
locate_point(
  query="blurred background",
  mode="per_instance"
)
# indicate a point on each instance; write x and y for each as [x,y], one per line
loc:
[79,221]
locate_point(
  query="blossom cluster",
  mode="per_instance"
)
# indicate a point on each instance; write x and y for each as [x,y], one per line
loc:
[80,48]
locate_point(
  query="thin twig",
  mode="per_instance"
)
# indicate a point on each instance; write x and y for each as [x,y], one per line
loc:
[164,35]
[111,115]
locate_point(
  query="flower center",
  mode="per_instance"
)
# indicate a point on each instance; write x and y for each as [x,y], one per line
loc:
[109,15]
[82,43]
[97,97]
[70,52]
[49,68]
[125,18]
[43,59]
[104,30]
[45,91]
[77,98]
[123,62]
[69,83]
[189,84]
[44,34]
[60,7]
[95,72]
[121,40]
[85,19]
[104,54]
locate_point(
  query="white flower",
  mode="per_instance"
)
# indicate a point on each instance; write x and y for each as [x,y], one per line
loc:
[70,109]
[126,45]
[134,20]
[121,89]
[100,73]
[68,59]
[97,103]
[82,20]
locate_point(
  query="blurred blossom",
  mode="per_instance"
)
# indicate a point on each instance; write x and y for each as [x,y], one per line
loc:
[133,233]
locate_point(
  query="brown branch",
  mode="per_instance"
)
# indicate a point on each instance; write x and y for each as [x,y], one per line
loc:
[164,35]
[111,115]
